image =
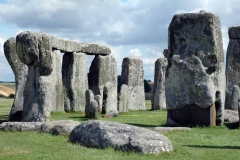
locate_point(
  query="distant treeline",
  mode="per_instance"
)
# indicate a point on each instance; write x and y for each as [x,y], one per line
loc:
[6,82]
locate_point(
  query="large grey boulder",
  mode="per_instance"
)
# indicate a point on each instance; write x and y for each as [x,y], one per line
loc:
[103,134]
[20,71]
[103,74]
[60,127]
[75,82]
[123,99]
[158,94]
[132,75]
[231,116]
[232,66]
[195,77]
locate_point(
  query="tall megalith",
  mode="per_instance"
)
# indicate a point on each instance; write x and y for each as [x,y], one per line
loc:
[20,71]
[132,75]
[102,77]
[158,94]
[195,77]
[75,82]
[232,66]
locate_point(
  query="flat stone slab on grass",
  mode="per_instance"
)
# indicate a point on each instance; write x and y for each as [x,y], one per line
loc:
[170,129]
[230,116]
[59,127]
[103,134]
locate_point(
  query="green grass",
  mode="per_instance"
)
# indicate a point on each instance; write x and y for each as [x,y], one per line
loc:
[201,143]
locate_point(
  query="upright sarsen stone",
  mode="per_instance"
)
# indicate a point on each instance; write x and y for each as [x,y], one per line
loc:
[158,94]
[232,66]
[74,75]
[123,101]
[20,71]
[103,70]
[195,79]
[132,75]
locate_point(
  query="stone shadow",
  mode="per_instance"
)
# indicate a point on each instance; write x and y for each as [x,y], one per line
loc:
[213,147]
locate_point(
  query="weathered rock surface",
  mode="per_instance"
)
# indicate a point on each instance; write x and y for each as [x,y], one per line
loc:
[123,101]
[232,66]
[103,73]
[109,99]
[99,99]
[111,114]
[59,127]
[158,94]
[20,71]
[195,79]
[93,109]
[103,134]
[89,98]
[231,116]
[170,129]
[132,75]
[55,127]
[75,82]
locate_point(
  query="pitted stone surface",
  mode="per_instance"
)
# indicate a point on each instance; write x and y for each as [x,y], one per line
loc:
[234,32]
[75,82]
[59,127]
[89,97]
[99,100]
[132,75]
[231,116]
[123,101]
[93,109]
[158,94]
[102,73]
[195,73]
[232,66]
[103,134]
[20,71]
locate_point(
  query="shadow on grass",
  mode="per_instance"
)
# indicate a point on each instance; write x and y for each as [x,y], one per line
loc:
[145,125]
[213,147]
[234,125]
[78,117]
[4,118]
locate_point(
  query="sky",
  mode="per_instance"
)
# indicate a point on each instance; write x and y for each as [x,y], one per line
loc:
[136,28]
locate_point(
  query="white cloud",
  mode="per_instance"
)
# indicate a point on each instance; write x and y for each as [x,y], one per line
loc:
[135,53]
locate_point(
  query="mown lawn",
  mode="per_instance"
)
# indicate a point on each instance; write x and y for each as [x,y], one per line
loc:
[200,143]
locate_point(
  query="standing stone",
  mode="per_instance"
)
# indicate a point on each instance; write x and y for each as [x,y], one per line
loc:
[99,99]
[93,109]
[123,101]
[109,101]
[239,112]
[235,97]
[102,72]
[74,75]
[58,101]
[20,71]
[132,75]
[195,79]
[34,49]
[232,65]
[158,94]
[89,97]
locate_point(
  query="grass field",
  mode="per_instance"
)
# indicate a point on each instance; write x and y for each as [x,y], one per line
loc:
[200,143]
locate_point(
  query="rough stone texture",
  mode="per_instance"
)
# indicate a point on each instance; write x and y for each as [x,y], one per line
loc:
[170,129]
[93,109]
[102,73]
[103,134]
[109,99]
[132,75]
[230,116]
[58,99]
[75,82]
[232,66]
[99,99]
[158,94]
[72,46]
[235,97]
[195,76]
[20,71]
[123,99]
[55,127]
[89,97]
[111,114]
[234,32]
[21,126]
[60,127]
